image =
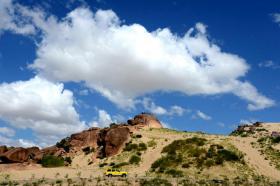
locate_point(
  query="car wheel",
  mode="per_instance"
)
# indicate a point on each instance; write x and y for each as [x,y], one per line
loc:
[124,175]
[109,175]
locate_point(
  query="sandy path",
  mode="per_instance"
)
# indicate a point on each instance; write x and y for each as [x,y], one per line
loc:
[255,159]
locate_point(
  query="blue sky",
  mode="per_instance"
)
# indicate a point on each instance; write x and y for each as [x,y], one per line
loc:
[198,65]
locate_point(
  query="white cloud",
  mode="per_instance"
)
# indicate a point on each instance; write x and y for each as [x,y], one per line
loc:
[115,59]
[269,64]
[104,119]
[220,124]
[177,110]
[276,17]
[40,105]
[12,20]
[16,142]
[247,121]
[203,115]
[150,106]
[7,131]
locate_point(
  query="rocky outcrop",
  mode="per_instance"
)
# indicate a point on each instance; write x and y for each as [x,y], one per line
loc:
[145,120]
[105,142]
[15,155]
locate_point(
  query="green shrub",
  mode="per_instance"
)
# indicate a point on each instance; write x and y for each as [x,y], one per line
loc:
[152,143]
[130,147]
[228,155]
[142,147]
[103,164]
[174,173]
[52,161]
[134,159]
[275,139]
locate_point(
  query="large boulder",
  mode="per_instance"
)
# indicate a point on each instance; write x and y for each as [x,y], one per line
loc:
[20,155]
[15,155]
[115,139]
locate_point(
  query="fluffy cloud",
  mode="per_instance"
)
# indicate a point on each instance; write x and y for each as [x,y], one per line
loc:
[150,106]
[202,115]
[104,119]
[124,62]
[40,105]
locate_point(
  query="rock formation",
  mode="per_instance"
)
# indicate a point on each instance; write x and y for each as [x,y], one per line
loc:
[145,120]
[105,142]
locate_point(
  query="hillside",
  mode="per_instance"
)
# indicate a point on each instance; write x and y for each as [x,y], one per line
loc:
[152,154]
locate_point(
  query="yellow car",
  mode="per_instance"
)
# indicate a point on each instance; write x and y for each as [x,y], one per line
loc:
[115,172]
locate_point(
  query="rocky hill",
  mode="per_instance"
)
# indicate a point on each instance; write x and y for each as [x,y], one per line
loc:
[105,142]
[153,155]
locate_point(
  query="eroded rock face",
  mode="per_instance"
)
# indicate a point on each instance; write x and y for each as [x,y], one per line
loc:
[87,138]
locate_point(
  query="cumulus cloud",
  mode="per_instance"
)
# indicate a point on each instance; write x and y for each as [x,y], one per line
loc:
[124,62]
[104,119]
[40,105]
[202,115]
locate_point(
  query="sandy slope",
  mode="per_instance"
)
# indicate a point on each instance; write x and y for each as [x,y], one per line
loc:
[254,158]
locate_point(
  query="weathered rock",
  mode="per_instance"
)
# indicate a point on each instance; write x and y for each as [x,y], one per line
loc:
[20,155]
[35,154]
[145,120]
[53,150]
[15,155]
[87,138]
[115,139]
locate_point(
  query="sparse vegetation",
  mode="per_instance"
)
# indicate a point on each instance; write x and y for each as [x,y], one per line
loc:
[155,181]
[192,151]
